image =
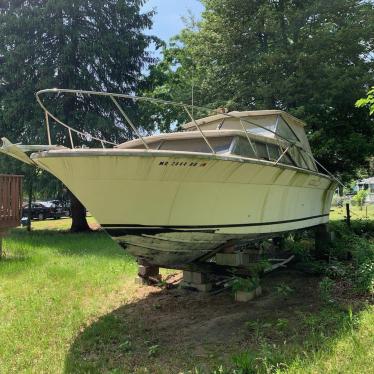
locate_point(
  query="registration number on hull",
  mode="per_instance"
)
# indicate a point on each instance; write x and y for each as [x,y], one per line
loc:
[183,164]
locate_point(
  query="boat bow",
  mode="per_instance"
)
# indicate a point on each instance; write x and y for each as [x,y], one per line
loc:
[21,152]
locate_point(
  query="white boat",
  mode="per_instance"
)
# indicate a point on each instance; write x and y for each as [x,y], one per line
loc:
[171,199]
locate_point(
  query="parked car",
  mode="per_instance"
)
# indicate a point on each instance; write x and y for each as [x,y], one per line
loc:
[63,205]
[61,209]
[42,210]
[38,211]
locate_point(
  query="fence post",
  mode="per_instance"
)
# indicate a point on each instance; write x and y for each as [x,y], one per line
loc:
[348,218]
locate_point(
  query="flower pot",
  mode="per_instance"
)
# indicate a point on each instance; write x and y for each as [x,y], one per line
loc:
[244,296]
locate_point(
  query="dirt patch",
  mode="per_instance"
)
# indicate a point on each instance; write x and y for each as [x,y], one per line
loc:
[191,318]
[168,331]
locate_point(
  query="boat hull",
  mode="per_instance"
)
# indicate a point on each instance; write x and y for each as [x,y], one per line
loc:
[170,209]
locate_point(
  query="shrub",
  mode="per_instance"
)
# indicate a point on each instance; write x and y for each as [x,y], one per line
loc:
[338,201]
[364,281]
[245,284]
[360,198]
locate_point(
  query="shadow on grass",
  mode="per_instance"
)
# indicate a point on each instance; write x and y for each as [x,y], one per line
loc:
[176,330]
[14,263]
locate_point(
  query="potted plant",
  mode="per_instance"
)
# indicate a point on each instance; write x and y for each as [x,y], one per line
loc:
[246,289]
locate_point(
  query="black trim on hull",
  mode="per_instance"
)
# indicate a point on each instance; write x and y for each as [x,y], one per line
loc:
[151,230]
[112,228]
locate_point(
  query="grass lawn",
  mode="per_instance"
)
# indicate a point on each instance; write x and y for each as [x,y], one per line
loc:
[367,212]
[51,286]
[68,304]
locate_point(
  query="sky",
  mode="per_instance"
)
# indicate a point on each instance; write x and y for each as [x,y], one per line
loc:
[168,20]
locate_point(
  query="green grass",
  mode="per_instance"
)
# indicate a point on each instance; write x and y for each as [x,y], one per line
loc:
[68,304]
[51,286]
[367,212]
[317,349]
[63,224]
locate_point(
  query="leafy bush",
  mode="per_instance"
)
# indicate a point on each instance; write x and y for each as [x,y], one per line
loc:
[350,257]
[283,289]
[364,281]
[360,198]
[245,284]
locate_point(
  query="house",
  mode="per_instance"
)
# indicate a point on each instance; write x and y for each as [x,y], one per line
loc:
[367,184]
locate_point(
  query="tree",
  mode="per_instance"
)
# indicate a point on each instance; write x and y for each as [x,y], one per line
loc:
[70,44]
[311,58]
[367,101]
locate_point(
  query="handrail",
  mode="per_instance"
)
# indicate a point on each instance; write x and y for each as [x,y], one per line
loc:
[70,129]
[201,132]
[128,120]
[185,107]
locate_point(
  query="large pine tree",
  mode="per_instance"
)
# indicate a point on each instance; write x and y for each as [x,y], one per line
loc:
[77,44]
[312,58]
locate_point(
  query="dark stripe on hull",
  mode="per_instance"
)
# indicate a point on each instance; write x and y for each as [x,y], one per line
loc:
[136,228]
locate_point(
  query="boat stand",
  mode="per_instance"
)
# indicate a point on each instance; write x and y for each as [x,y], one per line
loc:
[147,274]
[231,261]
[217,270]
[197,281]
[323,236]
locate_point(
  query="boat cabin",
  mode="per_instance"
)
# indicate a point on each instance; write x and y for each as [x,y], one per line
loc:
[270,135]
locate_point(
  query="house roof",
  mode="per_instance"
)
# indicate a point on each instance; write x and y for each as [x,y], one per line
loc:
[366,181]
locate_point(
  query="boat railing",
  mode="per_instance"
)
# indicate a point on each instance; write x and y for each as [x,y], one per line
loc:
[285,144]
[115,96]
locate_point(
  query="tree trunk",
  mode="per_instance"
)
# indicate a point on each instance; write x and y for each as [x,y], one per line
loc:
[78,214]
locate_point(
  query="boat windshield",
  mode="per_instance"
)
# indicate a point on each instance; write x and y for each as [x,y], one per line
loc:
[270,127]
[285,131]
[219,144]
[272,152]
[256,149]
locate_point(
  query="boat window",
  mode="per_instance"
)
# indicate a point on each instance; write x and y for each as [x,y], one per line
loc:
[286,159]
[298,158]
[308,160]
[285,131]
[151,145]
[219,144]
[243,148]
[262,150]
[260,127]
[265,151]
[273,151]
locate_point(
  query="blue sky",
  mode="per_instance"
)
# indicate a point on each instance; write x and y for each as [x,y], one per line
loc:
[168,20]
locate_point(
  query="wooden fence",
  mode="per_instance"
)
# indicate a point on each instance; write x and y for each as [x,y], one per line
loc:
[10,201]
